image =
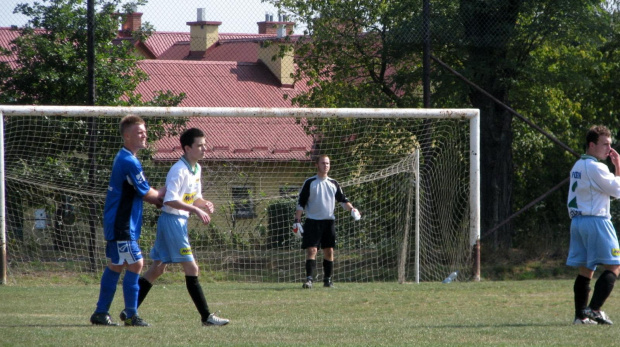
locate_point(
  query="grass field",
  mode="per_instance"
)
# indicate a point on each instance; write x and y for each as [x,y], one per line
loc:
[506,313]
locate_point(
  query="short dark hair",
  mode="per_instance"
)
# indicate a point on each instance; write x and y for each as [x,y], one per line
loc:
[188,137]
[128,121]
[318,157]
[595,132]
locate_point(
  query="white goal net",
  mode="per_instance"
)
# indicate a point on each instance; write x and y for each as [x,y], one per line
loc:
[409,172]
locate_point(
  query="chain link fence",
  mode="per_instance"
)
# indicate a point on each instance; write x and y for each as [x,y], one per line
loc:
[552,63]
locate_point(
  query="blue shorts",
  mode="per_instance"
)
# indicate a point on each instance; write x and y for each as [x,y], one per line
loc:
[171,243]
[593,241]
[120,252]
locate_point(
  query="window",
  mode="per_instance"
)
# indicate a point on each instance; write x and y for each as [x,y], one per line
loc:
[242,198]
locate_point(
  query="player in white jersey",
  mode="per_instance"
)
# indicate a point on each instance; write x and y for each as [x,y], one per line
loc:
[593,239]
[183,196]
[318,197]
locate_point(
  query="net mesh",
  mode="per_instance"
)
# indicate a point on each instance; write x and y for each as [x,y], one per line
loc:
[57,168]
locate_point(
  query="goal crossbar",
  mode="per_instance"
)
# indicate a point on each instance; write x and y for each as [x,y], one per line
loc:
[99,111]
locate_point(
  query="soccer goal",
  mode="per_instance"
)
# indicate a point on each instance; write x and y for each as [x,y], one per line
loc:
[412,173]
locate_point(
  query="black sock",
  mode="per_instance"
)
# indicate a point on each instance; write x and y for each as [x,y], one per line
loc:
[197,295]
[145,286]
[582,294]
[328,268]
[602,289]
[310,268]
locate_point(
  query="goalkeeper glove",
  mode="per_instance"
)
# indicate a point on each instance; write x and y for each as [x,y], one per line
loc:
[298,230]
[356,214]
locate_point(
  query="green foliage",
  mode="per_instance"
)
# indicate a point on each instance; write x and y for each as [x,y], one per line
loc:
[352,58]
[554,62]
[50,66]
[565,89]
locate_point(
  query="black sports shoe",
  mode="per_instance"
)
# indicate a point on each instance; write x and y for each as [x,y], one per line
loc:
[307,285]
[598,316]
[123,315]
[102,319]
[328,283]
[136,321]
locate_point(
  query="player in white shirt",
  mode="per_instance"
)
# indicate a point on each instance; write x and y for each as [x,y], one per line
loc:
[593,239]
[183,196]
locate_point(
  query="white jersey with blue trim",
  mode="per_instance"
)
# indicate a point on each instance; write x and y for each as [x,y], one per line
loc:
[591,186]
[182,183]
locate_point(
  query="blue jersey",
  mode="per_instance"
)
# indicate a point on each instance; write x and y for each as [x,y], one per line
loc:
[122,213]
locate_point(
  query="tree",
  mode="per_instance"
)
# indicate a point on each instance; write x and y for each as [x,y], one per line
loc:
[367,53]
[50,66]
[567,87]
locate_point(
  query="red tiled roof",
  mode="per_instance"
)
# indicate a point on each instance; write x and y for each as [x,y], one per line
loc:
[216,84]
[222,51]
[160,42]
[227,76]
[229,84]
[6,36]
[246,138]
[230,47]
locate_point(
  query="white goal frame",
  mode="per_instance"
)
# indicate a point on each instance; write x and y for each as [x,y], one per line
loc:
[472,115]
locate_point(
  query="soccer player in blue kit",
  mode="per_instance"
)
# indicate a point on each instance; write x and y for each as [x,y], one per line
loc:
[122,222]
[593,239]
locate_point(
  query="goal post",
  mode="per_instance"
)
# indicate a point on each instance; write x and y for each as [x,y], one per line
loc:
[413,174]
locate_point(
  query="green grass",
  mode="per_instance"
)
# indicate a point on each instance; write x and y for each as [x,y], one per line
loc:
[508,313]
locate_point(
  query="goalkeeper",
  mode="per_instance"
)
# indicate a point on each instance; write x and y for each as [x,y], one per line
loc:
[318,197]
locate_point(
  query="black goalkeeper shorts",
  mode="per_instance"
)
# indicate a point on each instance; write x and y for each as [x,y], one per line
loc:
[319,234]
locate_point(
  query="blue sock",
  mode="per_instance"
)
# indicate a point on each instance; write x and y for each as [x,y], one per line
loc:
[109,280]
[130,293]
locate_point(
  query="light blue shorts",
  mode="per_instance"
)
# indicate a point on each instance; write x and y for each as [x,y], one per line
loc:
[593,241]
[120,252]
[171,243]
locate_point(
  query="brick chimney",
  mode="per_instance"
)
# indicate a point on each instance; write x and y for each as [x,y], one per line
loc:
[203,34]
[133,22]
[283,68]
[279,27]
